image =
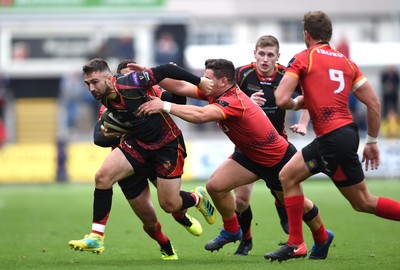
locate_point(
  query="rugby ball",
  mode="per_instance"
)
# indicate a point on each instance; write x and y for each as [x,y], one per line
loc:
[113,124]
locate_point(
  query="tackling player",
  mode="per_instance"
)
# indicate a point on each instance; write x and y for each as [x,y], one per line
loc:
[260,152]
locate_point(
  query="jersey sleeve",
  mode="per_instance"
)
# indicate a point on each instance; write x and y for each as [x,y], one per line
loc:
[155,91]
[359,77]
[200,94]
[298,65]
[174,72]
[101,110]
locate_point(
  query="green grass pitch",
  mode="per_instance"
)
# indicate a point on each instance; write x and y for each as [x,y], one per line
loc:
[36,223]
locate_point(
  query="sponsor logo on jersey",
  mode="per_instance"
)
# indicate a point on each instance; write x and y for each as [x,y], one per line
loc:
[223,103]
[330,53]
[135,78]
[118,106]
[146,76]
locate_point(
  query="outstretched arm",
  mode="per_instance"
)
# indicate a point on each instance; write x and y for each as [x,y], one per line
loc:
[181,88]
[301,126]
[172,71]
[366,95]
[167,96]
[190,113]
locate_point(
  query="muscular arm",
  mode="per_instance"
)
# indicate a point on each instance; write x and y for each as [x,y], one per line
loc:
[284,92]
[181,88]
[366,95]
[197,114]
[175,72]
[190,113]
[176,80]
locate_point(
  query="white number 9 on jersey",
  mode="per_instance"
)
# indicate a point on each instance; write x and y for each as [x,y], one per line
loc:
[337,76]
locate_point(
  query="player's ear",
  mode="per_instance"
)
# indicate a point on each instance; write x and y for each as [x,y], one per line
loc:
[224,82]
[110,79]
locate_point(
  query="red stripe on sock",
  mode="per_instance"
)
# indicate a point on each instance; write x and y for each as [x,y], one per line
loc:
[247,235]
[103,221]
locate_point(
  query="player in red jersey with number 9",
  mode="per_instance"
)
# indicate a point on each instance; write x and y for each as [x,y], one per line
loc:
[327,78]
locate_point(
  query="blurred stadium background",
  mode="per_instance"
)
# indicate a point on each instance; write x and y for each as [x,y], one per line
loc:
[48,115]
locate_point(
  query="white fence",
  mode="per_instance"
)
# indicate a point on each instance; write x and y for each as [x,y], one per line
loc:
[205,156]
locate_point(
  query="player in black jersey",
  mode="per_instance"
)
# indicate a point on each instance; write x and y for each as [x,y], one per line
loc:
[154,141]
[136,186]
[259,80]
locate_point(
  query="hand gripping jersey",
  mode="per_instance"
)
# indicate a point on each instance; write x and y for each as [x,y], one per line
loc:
[247,127]
[327,78]
[151,132]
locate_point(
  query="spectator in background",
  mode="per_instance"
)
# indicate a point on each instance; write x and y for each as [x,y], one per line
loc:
[356,109]
[390,90]
[74,99]
[71,90]
[101,51]
[20,51]
[358,112]
[3,93]
[343,46]
[125,48]
[390,126]
[167,49]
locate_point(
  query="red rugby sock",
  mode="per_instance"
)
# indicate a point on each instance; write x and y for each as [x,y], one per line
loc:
[320,235]
[388,208]
[157,235]
[231,225]
[294,208]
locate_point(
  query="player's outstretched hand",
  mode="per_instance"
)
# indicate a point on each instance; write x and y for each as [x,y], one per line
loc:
[371,156]
[206,85]
[136,67]
[155,105]
[299,128]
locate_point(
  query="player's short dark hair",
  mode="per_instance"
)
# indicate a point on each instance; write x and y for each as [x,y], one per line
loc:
[94,65]
[124,64]
[318,25]
[221,68]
